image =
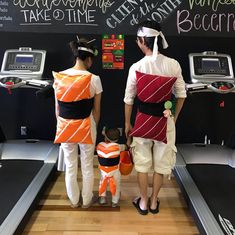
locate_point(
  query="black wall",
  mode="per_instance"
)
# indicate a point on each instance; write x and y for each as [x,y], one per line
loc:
[202,113]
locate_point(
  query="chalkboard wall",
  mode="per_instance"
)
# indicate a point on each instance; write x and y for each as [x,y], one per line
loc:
[179,17]
[202,114]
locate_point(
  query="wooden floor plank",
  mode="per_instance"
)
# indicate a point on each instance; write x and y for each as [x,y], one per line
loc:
[54,216]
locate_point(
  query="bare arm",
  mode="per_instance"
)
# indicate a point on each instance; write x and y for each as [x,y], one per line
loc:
[96,108]
[128,127]
[178,106]
[56,108]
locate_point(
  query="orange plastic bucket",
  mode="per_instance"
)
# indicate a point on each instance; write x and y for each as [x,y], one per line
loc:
[126,163]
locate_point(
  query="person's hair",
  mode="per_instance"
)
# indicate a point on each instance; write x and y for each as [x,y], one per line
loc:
[112,134]
[82,55]
[149,41]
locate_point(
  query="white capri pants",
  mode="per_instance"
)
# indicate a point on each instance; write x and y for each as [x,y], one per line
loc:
[155,155]
[70,151]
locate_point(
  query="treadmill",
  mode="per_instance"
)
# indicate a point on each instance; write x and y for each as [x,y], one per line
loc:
[25,164]
[206,171]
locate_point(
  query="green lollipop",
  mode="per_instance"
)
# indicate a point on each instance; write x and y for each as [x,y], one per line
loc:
[96,52]
[168,104]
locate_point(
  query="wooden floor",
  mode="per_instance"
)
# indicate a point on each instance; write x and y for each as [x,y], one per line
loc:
[54,216]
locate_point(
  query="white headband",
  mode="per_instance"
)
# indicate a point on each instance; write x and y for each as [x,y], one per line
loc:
[86,49]
[148,32]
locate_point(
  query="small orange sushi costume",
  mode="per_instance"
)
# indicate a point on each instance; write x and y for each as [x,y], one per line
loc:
[109,158]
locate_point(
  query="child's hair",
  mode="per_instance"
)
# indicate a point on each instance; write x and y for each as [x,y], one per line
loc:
[81,54]
[112,134]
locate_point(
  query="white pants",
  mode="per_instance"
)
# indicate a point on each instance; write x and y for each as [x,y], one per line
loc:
[117,177]
[70,151]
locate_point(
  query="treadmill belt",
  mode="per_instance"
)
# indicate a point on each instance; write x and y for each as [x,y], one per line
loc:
[216,183]
[15,177]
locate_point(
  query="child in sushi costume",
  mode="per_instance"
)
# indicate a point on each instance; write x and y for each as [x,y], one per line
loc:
[109,158]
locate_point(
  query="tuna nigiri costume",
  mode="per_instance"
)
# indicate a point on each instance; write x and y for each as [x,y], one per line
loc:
[152,92]
[152,80]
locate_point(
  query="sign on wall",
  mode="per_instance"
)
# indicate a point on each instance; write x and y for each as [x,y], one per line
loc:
[113,51]
[178,17]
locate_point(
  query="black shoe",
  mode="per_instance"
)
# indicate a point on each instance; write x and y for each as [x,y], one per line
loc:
[137,206]
[156,210]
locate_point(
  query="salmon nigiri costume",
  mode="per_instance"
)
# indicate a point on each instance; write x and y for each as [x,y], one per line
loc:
[75,105]
[74,92]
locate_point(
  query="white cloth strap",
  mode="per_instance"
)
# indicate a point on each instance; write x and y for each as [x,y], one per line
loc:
[148,32]
[86,49]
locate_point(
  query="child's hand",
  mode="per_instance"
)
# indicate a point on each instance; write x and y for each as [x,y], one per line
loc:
[167,113]
[128,142]
[128,128]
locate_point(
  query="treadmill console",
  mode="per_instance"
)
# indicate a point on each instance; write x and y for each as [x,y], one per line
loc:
[210,66]
[211,70]
[23,62]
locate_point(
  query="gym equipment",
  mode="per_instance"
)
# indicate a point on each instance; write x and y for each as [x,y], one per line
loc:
[24,63]
[25,164]
[205,171]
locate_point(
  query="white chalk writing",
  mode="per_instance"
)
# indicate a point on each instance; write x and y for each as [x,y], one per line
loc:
[49,4]
[215,22]
[139,10]
[4,17]
[4,3]
[66,11]
[213,4]
[192,17]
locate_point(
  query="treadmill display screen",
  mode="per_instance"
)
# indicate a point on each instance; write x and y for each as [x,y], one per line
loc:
[210,63]
[20,59]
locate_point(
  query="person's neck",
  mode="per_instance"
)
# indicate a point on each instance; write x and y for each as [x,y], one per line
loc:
[150,53]
[80,65]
